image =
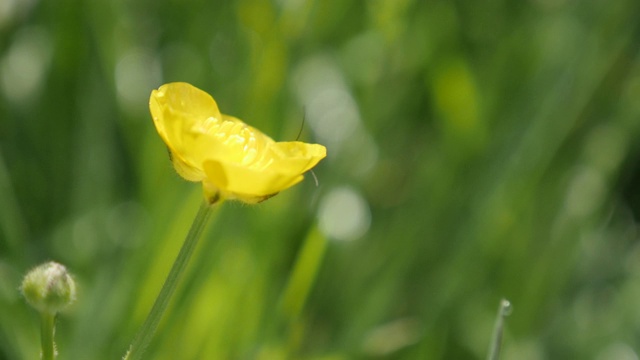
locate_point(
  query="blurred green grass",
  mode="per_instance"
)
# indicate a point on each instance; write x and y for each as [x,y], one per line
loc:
[477,150]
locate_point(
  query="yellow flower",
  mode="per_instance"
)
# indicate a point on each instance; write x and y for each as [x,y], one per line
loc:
[232,159]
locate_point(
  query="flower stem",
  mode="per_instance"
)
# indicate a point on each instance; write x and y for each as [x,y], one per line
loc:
[46,335]
[143,338]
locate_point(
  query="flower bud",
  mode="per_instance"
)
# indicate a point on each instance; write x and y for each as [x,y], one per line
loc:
[49,288]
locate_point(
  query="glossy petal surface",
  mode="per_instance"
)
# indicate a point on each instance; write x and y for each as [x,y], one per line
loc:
[230,158]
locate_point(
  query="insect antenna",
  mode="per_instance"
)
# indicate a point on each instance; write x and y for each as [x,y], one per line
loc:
[315,178]
[304,117]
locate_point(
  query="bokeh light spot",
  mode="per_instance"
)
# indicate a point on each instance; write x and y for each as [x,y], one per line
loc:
[331,110]
[12,11]
[586,192]
[606,147]
[344,214]
[617,351]
[23,68]
[137,71]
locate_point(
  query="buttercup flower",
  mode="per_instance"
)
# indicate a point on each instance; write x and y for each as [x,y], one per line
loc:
[232,159]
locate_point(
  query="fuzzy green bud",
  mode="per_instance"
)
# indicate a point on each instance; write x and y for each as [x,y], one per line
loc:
[49,288]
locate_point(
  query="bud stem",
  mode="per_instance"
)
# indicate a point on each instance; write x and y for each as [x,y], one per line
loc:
[46,335]
[143,338]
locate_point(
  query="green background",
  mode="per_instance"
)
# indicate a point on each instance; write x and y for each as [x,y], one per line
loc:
[477,150]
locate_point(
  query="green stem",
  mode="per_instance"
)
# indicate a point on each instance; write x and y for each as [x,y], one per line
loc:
[143,338]
[46,335]
[299,285]
[503,311]
[303,274]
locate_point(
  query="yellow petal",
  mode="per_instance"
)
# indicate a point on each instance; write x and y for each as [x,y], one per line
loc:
[231,158]
[280,167]
[182,115]
[296,156]
[236,181]
[240,143]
